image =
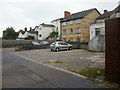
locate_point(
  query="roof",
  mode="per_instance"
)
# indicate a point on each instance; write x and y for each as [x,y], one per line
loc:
[108,14]
[57,19]
[47,25]
[117,9]
[105,15]
[32,31]
[21,31]
[79,15]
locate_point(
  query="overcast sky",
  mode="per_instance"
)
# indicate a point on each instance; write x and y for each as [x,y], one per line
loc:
[30,13]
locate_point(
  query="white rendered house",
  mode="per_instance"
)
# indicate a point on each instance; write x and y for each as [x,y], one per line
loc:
[98,28]
[44,31]
[56,23]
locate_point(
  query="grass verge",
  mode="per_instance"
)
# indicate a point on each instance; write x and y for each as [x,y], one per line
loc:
[92,72]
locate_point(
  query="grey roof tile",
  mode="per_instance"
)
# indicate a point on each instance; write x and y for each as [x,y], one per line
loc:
[79,15]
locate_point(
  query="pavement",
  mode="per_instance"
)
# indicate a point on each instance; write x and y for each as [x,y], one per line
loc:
[19,72]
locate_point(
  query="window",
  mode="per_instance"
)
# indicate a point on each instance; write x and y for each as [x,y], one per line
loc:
[70,31]
[71,39]
[78,30]
[40,28]
[78,39]
[56,28]
[64,23]
[71,22]
[77,20]
[64,39]
[64,31]
[40,35]
[97,31]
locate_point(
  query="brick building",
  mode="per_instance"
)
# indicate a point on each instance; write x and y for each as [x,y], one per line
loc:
[75,27]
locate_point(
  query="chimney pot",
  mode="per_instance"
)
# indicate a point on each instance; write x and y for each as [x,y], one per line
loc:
[105,11]
[25,29]
[30,28]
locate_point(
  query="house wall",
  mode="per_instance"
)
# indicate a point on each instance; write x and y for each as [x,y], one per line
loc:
[83,25]
[20,35]
[115,15]
[93,28]
[97,43]
[44,31]
[23,35]
[57,26]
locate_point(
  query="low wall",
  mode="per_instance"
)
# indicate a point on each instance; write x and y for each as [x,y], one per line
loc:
[97,43]
[14,43]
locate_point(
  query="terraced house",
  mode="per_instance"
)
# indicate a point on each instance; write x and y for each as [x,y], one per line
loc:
[75,27]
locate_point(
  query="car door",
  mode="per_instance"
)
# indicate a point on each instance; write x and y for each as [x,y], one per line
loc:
[61,46]
[65,45]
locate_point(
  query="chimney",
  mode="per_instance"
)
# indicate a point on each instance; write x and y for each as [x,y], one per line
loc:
[105,11]
[30,28]
[66,13]
[25,29]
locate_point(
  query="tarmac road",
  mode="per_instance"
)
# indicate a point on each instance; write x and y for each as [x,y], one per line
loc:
[19,72]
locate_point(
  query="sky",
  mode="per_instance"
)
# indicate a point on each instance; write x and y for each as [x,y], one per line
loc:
[30,13]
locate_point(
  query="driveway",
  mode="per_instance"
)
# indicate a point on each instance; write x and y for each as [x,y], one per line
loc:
[19,72]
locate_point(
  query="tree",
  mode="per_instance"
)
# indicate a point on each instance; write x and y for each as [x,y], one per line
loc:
[53,35]
[10,33]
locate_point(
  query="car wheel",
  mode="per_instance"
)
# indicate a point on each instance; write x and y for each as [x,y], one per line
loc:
[57,49]
[70,48]
[52,50]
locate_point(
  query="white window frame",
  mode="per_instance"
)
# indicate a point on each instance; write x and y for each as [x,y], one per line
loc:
[71,31]
[64,23]
[78,30]
[77,20]
[64,39]
[64,32]
[71,22]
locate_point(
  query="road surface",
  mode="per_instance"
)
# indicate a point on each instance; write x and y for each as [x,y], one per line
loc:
[19,72]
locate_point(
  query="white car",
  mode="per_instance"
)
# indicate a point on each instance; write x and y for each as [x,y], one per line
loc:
[44,43]
[35,43]
[60,45]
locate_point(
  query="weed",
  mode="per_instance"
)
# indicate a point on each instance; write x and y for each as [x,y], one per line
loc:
[92,72]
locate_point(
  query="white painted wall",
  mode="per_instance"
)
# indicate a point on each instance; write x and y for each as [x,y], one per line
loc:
[56,23]
[23,35]
[44,31]
[20,35]
[97,25]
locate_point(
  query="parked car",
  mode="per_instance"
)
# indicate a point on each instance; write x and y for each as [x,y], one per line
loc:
[60,45]
[44,43]
[35,43]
